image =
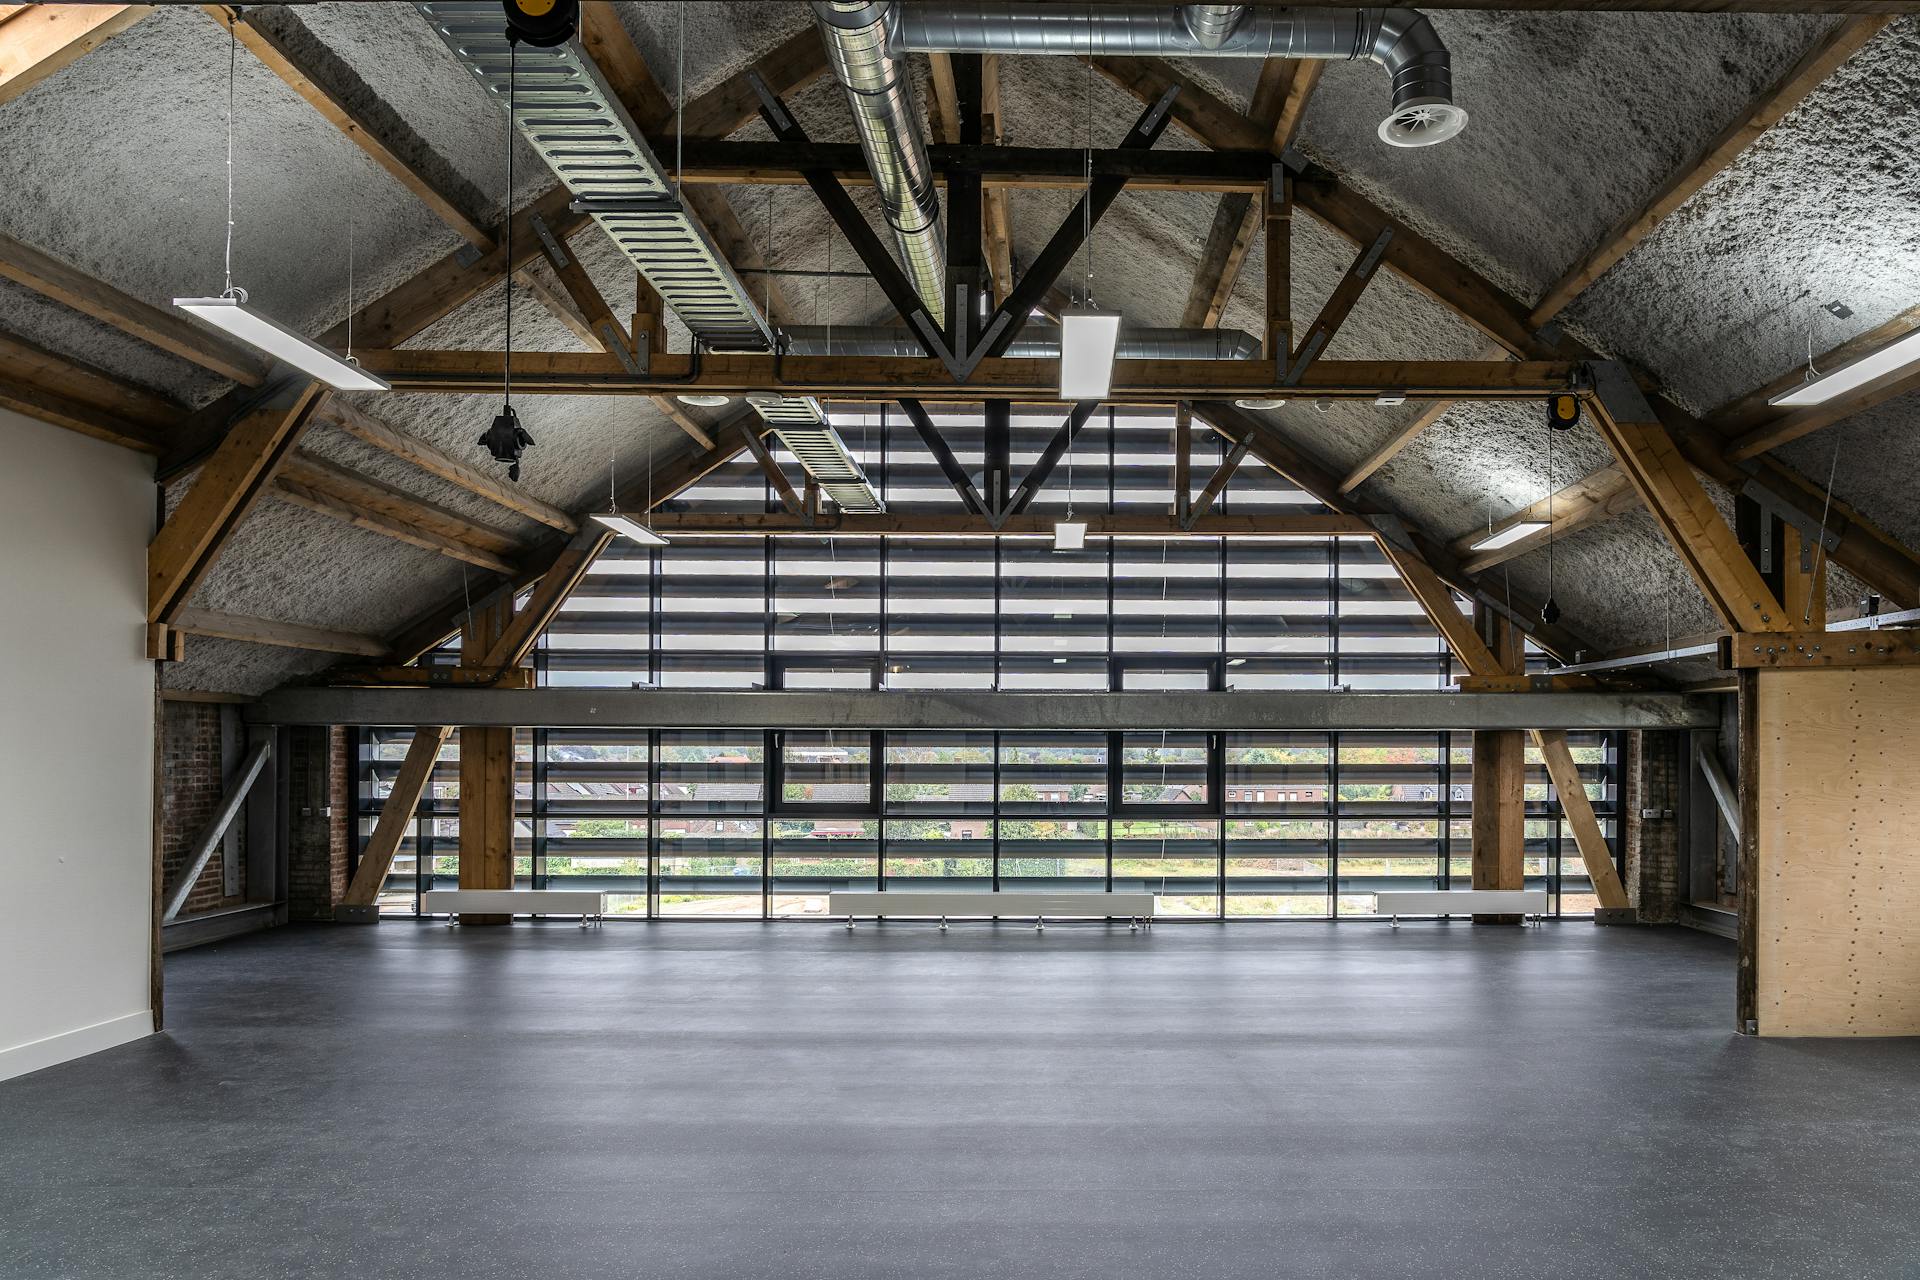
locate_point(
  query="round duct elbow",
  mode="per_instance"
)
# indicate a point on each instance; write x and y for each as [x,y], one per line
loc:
[1422,122]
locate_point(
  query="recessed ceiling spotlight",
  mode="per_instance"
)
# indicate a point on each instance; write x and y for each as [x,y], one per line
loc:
[703,401]
[1258,402]
[1387,399]
[1324,406]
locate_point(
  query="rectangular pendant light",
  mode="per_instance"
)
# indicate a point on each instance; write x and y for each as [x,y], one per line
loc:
[1087,343]
[281,343]
[1508,536]
[631,528]
[1896,355]
[1070,535]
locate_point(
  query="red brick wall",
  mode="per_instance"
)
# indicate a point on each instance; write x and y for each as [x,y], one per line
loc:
[191,786]
[319,799]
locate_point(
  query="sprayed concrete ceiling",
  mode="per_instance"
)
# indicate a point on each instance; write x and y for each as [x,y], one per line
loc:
[1576,120]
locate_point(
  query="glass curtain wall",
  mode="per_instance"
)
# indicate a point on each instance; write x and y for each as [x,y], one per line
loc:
[751,825]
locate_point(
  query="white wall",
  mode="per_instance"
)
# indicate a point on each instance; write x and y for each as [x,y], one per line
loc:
[76,745]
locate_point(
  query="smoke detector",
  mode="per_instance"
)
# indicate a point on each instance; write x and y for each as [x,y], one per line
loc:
[1421,122]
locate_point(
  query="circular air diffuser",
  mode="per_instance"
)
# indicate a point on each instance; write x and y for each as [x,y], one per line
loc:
[1258,403]
[703,402]
[1421,122]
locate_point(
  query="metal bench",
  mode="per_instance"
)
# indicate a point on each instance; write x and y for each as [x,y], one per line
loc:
[1461,902]
[589,904]
[1135,908]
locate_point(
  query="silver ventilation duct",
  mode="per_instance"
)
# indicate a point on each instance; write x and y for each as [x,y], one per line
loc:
[1211,24]
[573,118]
[1036,342]
[886,114]
[1400,40]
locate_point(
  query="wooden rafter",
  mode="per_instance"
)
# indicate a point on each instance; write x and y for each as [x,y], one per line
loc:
[228,486]
[998,232]
[1738,595]
[68,393]
[949,524]
[1765,111]
[1339,305]
[875,378]
[397,812]
[327,503]
[40,39]
[1589,500]
[519,633]
[1473,652]
[287,635]
[1863,549]
[782,487]
[328,477]
[1390,448]
[168,330]
[431,458]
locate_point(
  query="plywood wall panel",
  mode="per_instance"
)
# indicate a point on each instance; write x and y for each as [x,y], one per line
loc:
[1837,772]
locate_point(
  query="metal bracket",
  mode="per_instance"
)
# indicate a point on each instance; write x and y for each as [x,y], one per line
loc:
[1785,510]
[555,253]
[616,342]
[1394,530]
[467,254]
[1618,393]
[628,204]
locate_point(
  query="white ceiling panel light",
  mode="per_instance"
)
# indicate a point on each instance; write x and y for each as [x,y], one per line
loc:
[230,313]
[1088,340]
[1508,536]
[1070,535]
[627,526]
[236,318]
[1896,355]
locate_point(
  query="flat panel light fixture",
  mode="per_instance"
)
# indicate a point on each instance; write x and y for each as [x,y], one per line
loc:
[1896,355]
[281,343]
[1087,343]
[1070,535]
[631,528]
[1508,536]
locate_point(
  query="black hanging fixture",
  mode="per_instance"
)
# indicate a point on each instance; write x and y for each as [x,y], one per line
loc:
[542,23]
[1550,611]
[506,439]
[1563,411]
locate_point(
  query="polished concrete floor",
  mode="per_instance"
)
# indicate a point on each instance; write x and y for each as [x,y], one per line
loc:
[793,1101]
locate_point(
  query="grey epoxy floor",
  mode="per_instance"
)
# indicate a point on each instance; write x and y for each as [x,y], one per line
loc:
[791,1101]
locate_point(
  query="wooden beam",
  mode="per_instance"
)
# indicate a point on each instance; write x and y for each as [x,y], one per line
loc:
[1498,858]
[1236,219]
[1792,424]
[170,331]
[925,378]
[1266,444]
[335,508]
[1338,307]
[23,363]
[486,774]
[228,486]
[1591,499]
[1803,580]
[1217,482]
[274,53]
[1739,597]
[998,232]
[59,410]
[433,459]
[782,487]
[1765,111]
[397,813]
[1302,78]
[946,97]
[40,39]
[286,635]
[518,635]
[1277,207]
[1864,549]
[1576,811]
[1391,447]
[948,524]
[1888,647]
[325,476]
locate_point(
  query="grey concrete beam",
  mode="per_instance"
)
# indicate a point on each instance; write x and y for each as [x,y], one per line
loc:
[705,709]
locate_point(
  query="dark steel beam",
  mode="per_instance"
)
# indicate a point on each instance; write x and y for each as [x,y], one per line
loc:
[1056,449]
[943,455]
[563,707]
